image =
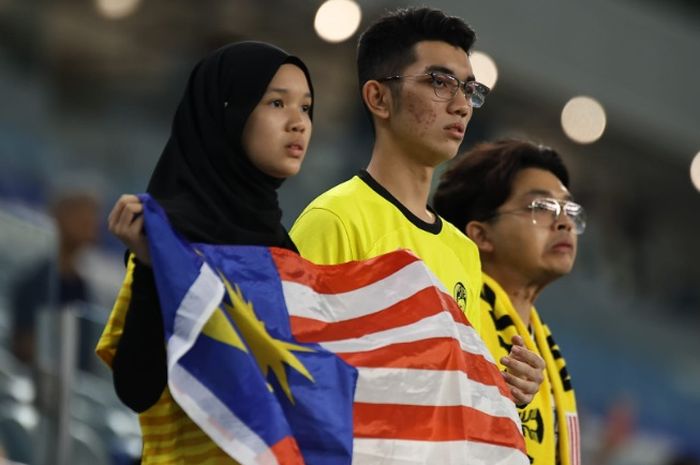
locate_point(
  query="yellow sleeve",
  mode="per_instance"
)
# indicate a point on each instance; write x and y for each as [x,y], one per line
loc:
[322,238]
[107,345]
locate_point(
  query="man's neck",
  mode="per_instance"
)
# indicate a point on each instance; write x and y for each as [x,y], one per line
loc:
[521,292]
[406,180]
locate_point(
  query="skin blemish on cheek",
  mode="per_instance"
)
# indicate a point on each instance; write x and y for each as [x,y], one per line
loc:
[423,115]
[415,112]
[430,118]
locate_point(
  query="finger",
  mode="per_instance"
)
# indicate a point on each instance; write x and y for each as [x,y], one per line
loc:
[134,230]
[122,203]
[525,387]
[137,227]
[122,222]
[520,396]
[518,341]
[527,356]
[131,211]
[135,207]
[522,370]
[115,213]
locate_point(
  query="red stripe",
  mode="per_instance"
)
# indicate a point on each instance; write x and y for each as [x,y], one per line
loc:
[428,423]
[431,354]
[287,452]
[424,303]
[334,279]
[574,436]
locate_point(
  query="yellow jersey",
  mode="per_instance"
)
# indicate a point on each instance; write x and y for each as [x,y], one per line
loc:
[359,219]
[169,436]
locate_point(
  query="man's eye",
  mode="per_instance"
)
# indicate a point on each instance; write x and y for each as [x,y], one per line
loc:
[545,206]
[572,209]
[438,80]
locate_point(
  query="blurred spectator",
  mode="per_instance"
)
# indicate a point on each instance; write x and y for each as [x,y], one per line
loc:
[55,282]
[618,429]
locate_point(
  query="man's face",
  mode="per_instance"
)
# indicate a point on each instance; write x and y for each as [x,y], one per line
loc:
[428,128]
[540,252]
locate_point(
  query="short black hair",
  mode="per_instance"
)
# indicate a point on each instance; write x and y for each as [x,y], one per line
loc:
[386,47]
[481,180]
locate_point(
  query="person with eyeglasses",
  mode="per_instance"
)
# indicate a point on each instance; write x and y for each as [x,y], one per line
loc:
[512,199]
[419,90]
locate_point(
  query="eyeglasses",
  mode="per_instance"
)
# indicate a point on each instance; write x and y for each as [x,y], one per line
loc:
[445,87]
[545,211]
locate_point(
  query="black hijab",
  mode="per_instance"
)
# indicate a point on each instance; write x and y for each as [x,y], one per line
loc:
[206,184]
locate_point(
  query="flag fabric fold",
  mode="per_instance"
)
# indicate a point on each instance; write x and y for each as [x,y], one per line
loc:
[280,361]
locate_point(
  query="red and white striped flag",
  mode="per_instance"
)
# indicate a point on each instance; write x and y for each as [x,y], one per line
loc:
[428,390]
[574,438]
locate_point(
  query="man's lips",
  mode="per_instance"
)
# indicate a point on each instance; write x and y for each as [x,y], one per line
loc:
[456,130]
[563,246]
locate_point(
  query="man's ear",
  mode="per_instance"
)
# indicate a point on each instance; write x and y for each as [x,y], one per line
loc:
[479,233]
[377,97]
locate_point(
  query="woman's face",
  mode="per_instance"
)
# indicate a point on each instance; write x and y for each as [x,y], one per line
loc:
[277,132]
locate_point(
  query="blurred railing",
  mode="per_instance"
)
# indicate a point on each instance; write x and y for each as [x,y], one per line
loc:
[61,410]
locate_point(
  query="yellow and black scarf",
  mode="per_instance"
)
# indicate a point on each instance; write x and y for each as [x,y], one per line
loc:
[550,421]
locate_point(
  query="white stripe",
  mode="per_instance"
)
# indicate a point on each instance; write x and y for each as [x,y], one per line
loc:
[303,301]
[402,452]
[203,297]
[431,387]
[217,421]
[434,326]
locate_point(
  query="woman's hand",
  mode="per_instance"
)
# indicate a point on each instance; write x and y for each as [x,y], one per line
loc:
[126,222]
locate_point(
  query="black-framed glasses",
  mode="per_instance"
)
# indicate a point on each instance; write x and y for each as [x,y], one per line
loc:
[545,211]
[446,85]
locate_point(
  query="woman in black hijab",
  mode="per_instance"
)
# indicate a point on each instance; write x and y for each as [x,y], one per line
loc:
[209,187]
[242,127]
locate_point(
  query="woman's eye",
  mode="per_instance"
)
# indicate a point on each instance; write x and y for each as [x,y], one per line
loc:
[277,103]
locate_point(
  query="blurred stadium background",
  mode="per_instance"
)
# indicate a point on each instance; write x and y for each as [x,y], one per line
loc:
[88,89]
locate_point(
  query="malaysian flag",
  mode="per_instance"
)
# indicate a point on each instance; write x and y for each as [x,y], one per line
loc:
[281,361]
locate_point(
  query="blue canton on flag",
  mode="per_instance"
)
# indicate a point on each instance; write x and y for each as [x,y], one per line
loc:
[233,365]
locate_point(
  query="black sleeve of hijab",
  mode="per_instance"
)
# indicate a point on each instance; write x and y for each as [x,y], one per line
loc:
[139,366]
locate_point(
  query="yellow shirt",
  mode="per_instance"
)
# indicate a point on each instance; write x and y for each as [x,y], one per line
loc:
[359,219]
[169,436]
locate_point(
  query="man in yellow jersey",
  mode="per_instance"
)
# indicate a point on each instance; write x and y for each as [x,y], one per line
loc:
[512,199]
[419,89]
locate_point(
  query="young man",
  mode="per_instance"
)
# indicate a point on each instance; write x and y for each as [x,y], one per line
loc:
[418,87]
[512,199]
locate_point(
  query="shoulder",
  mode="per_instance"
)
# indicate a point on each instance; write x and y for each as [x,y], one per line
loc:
[341,196]
[458,241]
[348,203]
